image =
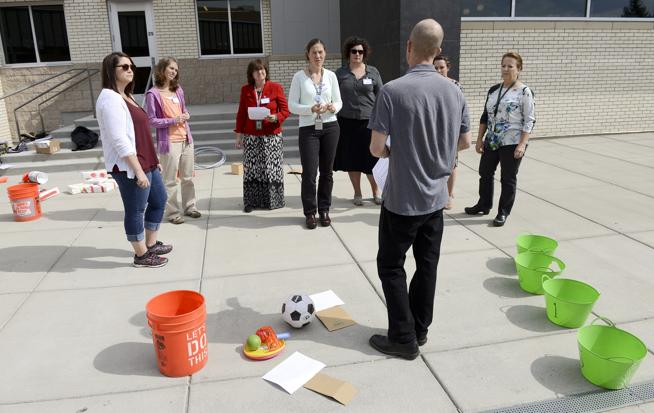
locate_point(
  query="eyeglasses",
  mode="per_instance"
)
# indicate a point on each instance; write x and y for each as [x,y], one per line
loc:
[126,67]
[357,51]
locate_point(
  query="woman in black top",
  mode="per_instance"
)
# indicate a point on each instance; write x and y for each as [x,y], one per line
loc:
[359,84]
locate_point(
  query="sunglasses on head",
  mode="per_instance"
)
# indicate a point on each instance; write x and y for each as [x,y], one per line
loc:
[357,51]
[126,67]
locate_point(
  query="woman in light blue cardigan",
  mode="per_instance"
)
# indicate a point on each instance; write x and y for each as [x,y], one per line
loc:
[315,96]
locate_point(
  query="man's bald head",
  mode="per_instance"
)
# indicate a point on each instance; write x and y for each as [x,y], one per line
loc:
[426,39]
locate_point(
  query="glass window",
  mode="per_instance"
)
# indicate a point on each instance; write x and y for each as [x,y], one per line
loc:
[51,36]
[17,25]
[550,8]
[17,38]
[133,33]
[622,8]
[486,8]
[217,36]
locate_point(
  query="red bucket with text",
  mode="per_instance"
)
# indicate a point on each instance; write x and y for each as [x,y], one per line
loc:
[179,333]
[25,201]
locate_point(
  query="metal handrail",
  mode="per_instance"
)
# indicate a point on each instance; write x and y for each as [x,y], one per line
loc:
[81,71]
[148,84]
[89,74]
[15,92]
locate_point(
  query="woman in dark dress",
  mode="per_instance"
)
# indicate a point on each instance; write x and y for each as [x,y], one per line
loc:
[359,84]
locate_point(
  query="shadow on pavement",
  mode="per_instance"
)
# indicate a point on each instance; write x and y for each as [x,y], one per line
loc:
[97,214]
[23,259]
[529,317]
[501,265]
[505,287]
[561,375]
[128,359]
[234,325]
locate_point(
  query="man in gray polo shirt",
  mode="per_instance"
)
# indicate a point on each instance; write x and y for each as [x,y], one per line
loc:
[427,117]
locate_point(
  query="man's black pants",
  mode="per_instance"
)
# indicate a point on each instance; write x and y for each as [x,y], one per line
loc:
[409,312]
[509,178]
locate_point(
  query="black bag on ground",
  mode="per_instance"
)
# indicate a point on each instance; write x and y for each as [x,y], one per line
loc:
[83,138]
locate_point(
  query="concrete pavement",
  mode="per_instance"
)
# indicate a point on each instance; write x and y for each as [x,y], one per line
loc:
[74,338]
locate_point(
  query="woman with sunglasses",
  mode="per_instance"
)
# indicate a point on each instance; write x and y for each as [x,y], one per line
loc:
[359,84]
[168,115]
[314,95]
[130,157]
[443,66]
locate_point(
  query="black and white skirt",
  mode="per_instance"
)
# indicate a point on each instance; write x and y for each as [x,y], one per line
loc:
[263,172]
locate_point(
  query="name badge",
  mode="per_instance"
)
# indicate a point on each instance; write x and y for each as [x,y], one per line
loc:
[265,100]
[175,99]
[367,81]
[318,124]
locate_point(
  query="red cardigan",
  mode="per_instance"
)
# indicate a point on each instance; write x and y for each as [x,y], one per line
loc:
[277,105]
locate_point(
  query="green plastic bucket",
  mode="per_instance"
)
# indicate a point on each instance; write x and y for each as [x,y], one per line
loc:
[609,356]
[536,243]
[568,302]
[531,266]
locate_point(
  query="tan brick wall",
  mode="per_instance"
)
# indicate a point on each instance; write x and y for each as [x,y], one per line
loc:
[267,27]
[212,80]
[5,132]
[282,68]
[87,23]
[176,30]
[588,77]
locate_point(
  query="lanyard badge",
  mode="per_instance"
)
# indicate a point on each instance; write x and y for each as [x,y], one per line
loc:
[259,95]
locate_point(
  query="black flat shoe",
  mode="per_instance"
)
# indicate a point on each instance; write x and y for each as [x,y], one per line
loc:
[311,222]
[422,340]
[247,209]
[499,220]
[408,351]
[476,210]
[325,220]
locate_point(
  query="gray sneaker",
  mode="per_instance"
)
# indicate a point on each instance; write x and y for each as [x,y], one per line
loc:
[150,259]
[160,248]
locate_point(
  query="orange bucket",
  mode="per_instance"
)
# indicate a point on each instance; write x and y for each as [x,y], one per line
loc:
[25,201]
[179,334]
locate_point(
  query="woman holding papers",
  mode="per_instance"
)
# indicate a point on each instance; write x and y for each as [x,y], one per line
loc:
[315,96]
[168,115]
[261,111]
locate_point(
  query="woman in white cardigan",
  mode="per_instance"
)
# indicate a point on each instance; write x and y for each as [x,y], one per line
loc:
[131,159]
[315,96]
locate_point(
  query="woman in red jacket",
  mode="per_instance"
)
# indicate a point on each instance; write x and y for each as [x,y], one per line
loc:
[261,140]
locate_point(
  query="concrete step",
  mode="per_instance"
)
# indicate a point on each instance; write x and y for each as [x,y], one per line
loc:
[196,124]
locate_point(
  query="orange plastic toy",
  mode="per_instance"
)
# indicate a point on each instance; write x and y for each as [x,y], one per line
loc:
[270,347]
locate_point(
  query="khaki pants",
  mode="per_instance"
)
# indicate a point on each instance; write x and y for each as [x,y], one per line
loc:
[179,160]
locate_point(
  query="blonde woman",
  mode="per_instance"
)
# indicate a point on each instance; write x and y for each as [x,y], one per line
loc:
[168,115]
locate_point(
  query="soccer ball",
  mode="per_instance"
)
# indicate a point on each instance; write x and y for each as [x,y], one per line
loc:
[298,310]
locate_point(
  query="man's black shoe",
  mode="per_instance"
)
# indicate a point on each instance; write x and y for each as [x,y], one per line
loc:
[408,351]
[476,210]
[499,220]
[422,340]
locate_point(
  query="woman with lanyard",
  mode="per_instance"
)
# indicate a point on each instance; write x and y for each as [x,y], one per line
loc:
[314,95]
[507,122]
[168,115]
[261,139]
[359,83]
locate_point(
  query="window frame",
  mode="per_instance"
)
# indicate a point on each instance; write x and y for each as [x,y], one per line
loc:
[587,17]
[38,62]
[231,55]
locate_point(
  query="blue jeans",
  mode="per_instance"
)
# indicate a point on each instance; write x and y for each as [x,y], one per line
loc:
[144,207]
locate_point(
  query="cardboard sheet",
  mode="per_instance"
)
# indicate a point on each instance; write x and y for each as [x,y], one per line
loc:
[339,390]
[335,318]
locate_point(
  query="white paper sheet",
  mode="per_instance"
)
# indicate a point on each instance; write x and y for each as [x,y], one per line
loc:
[380,170]
[294,372]
[256,113]
[325,299]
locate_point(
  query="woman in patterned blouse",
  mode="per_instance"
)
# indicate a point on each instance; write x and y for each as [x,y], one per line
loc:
[507,122]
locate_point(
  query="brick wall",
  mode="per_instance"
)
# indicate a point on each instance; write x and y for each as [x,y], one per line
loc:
[282,68]
[87,23]
[588,77]
[212,80]
[175,25]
